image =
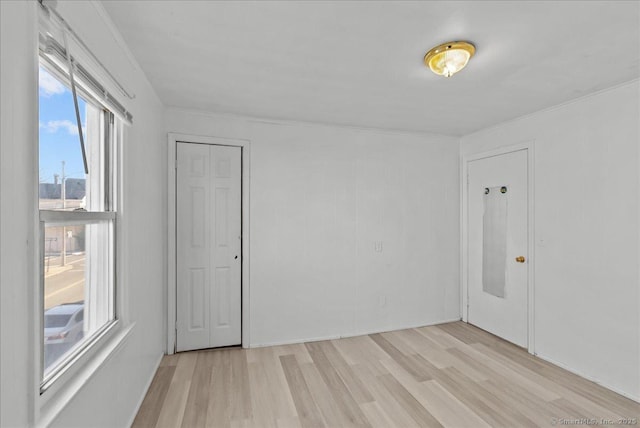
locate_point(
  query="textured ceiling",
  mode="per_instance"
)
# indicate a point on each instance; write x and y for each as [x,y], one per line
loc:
[360,63]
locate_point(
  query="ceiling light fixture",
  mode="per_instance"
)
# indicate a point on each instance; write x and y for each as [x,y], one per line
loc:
[449,58]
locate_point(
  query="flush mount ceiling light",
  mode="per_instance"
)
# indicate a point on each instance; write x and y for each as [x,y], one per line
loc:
[449,58]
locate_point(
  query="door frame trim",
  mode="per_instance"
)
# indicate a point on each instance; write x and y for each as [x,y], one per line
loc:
[245,146]
[529,146]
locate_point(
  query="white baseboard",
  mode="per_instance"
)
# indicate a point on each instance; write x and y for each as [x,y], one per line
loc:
[343,336]
[146,390]
[590,378]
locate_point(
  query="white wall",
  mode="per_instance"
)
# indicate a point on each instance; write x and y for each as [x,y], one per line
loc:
[18,129]
[586,232]
[321,196]
[110,396]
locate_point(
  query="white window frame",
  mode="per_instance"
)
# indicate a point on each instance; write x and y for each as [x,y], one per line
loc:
[61,385]
[104,182]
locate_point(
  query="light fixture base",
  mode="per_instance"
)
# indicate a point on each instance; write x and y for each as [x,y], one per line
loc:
[449,58]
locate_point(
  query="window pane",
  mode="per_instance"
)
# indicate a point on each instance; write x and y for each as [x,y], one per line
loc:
[63,182]
[78,266]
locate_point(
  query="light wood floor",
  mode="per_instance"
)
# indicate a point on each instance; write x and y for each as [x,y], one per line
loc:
[452,375]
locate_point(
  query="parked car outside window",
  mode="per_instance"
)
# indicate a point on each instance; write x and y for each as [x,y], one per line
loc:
[63,328]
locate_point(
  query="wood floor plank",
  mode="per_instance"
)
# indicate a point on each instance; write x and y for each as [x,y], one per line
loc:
[357,350]
[440,337]
[516,354]
[331,412]
[291,422]
[376,416]
[257,355]
[263,401]
[297,349]
[448,409]
[539,411]
[498,371]
[418,342]
[394,338]
[474,334]
[150,409]
[308,412]
[218,409]
[435,399]
[195,413]
[585,397]
[172,411]
[590,390]
[369,372]
[435,354]
[534,410]
[241,396]
[170,360]
[487,406]
[284,407]
[243,423]
[265,396]
[337,387]
[357,389]
[566,407]
[454,330]
[411,365]
[409,402]
[449,375]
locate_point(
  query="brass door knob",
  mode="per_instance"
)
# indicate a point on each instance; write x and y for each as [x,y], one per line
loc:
[520,259]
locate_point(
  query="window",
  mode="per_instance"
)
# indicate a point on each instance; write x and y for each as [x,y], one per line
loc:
[77,204]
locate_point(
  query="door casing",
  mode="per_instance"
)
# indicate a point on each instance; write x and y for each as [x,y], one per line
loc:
[245,145]
[529,146]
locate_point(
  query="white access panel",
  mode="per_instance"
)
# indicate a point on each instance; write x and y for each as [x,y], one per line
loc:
[208,244]
[503,313]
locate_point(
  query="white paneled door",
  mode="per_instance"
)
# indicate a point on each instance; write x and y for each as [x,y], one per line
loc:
[498,262]
[208,244]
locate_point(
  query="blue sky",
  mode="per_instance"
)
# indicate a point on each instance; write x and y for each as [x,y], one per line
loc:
[58,134]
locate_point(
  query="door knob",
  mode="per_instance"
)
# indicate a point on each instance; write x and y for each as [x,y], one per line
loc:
[520,259]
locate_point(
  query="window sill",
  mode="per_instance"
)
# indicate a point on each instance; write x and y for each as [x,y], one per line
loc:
[52,401]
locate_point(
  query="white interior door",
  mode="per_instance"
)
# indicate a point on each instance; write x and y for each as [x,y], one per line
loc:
[497,245]
[208,244]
